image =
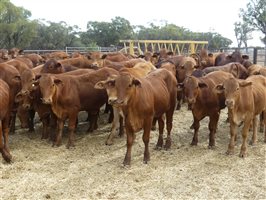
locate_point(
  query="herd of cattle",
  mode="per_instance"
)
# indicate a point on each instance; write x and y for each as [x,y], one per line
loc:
[137,91]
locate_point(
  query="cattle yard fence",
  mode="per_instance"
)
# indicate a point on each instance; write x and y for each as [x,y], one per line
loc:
[256,54]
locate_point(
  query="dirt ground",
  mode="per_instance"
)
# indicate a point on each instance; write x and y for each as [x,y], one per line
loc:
[93,170]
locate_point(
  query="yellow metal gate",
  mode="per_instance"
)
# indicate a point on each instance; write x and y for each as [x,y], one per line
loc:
[176,46]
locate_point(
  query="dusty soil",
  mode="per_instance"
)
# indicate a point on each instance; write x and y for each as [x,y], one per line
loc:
[93,170]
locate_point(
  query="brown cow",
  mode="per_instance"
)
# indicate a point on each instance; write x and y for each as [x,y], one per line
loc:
[54,67]
[238,70]
[241,108]
[203,101]
[15,52]
[30,98]
[141,100]
[236,56]
[19,65]
[36,59]
[138,71]
[4,119]
[58,55]
[12,77]
[204,59]
[68,94]
[256,70]
[4,55]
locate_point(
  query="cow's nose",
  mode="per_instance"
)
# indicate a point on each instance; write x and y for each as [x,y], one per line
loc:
[46,100]
[229,102]
[26,106]
[191,100]
[112,100]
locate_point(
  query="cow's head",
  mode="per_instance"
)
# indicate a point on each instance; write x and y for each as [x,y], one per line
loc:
[15,52]
[192,88]
[231,89]
[52,66]
[4,54]
[119,88]
[47,85]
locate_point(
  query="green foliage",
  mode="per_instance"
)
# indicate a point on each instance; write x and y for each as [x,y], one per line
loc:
[255,16]
[15,27]
[53,35]
[242,33]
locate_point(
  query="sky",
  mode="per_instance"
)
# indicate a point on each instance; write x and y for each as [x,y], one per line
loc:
[196,15]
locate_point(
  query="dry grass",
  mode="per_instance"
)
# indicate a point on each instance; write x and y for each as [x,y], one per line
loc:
[93,170]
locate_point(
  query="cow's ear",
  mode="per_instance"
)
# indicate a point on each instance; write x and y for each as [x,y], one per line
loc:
[37,77]
[100,85]
[219,88]
[57,81]
[180,86]
[136,82]
[245,57]
[202,85]
[104,56]
[20,51]
[210,55]
[245,83]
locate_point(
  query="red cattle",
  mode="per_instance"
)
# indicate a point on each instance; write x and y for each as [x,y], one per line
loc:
[236,56]
[19,65]
[36,59]
[256,70]
[15,52]
[54,67]
[12,77]
[4,55]
[4,119]
[141,100]
[203,101]
[238,70]
[138,71]
[68,94]
[241,108]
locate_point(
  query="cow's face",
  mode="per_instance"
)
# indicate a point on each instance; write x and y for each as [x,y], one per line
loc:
[47,85]
[119,88]
[185,70]
[15,52]
[4,54]
[231,89]
[192,88]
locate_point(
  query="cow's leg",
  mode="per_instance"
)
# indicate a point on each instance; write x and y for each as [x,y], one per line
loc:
[121,126]
[212,128]
[159,144]
[60,126]
[6,155]
[169,126]
[111,115]
[233,133]
[45,124]
[115,125]
[130,140]
[262,123]
[146,138]
[153,127]
[71,129]
[31,120]
[255,128]
[93,121]
[13,121]
[5,126]
[245,131]
[196,126]
[52,126]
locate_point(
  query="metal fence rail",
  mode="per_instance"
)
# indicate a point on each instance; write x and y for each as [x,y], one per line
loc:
[256,54]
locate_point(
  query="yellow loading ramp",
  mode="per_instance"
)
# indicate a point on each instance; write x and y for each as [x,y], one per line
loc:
[176,46]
